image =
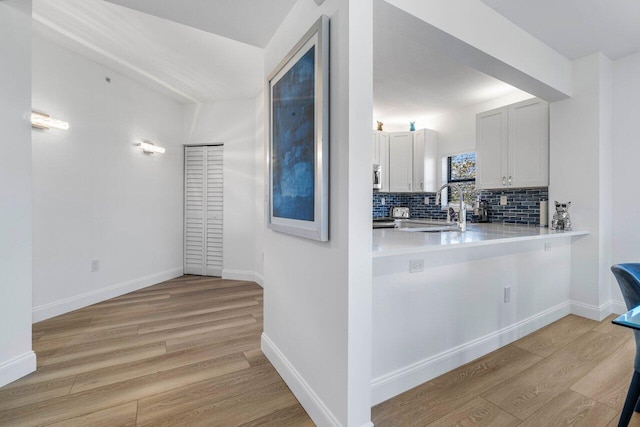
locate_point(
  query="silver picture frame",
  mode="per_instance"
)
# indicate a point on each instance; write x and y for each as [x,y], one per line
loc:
[298,128]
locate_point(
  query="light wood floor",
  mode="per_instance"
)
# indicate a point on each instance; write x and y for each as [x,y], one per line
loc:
[186,353]
[182,353]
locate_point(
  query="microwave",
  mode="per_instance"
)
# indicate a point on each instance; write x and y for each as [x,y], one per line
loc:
[377,177]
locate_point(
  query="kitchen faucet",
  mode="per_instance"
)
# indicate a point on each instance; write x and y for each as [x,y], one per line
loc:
[462,214]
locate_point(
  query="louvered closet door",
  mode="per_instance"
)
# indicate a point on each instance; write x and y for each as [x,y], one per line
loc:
[203,210]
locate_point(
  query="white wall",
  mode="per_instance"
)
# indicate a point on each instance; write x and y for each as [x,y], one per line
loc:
[626,152]
[96,195]
[580,147]
[16,357]
[318,295]
[232,123]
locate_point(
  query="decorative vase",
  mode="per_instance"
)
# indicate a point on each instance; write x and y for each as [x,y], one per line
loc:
[412,126]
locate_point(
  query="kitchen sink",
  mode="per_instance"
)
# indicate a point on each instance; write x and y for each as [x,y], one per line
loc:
[426,226]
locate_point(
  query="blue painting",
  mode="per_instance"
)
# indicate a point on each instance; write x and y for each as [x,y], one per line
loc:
[293,127]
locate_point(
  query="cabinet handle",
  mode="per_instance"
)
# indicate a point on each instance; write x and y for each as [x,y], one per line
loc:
[509,180]
[504,180]
[410,187]
[422,186]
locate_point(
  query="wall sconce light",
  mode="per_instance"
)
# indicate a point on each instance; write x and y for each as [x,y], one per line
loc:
[44,121]
[150,148]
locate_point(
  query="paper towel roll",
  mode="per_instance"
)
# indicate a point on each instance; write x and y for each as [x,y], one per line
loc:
[544,213]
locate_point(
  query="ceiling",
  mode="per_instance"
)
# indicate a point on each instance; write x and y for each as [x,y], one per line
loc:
[577,28]
[185,63]
[248,21]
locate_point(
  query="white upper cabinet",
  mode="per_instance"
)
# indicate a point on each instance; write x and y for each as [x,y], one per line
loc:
[512,146]
[425,152]
[408,160]
[381,157]
[401,162]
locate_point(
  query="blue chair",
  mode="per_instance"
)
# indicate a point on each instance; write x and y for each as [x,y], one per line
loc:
[628,277]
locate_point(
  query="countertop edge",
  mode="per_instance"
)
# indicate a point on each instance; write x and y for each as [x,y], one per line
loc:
[499,241]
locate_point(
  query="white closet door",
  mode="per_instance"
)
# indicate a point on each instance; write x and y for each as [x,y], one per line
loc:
[214,211]
[203,206]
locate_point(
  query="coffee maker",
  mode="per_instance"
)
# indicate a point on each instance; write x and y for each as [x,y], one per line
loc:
[481,211]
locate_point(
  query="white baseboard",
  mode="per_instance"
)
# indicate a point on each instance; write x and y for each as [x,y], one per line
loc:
[57,308]
[310,401]
[408,377]
[592,312]
[618,307]
[259,279]
[17,367]
[248,276]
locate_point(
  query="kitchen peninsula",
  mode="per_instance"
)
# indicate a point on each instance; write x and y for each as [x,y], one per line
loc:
[443,299]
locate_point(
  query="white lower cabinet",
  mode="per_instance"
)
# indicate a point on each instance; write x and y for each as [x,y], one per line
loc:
[512,146]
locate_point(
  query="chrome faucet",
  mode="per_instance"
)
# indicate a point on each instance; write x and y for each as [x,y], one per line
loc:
[462,214]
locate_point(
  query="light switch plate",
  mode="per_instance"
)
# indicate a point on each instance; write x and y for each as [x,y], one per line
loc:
[426,200]
[503,200]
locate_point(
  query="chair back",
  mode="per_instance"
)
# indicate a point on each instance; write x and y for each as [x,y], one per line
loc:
[628,277]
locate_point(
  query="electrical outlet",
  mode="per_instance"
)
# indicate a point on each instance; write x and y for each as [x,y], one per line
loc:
[416,265]
[503,200]
[426,200]
[547,247]
[507,294]
[95,265]
[383,201]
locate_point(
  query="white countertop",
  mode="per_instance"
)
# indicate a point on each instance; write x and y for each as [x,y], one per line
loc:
[391,241]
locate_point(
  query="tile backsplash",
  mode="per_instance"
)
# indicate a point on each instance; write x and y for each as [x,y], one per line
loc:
[523,205]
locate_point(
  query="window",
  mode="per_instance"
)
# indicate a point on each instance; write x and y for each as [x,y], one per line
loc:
[461,171]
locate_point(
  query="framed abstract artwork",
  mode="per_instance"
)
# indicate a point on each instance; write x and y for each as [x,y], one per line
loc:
[298,154]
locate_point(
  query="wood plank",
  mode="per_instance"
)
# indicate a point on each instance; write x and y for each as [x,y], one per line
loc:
[433,400]
[477,412]
[85,364]
[84,350]
[121,372]
[571,409]
[551,338]
[164,405]
[117,416]
[608,382]
[45,348]
[79,404]
[293,416]
[229,412]
[606,327]
[17,394]
[256,357]
[243,330]
[547,379]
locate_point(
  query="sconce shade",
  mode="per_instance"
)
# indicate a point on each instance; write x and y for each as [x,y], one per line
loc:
[44,121]
[151,148]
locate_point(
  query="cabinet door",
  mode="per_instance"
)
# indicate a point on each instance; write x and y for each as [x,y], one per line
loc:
[491,149]
[400,162]
[381,157]
[383,139]
[376,148]
[425,151]
[528,144]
